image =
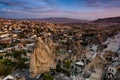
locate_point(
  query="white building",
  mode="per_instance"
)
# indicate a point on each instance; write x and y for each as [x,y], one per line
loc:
[4,35]
[9,77]
[77,67]
[114,68]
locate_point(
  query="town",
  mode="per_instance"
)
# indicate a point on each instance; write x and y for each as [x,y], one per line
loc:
[34,50]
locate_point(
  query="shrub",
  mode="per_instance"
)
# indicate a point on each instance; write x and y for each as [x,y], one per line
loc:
[1,57]
[20,64]
[66,72]
[17,54]
[48,77]
[58,68]
[67,64]
[6,62]
[5,70]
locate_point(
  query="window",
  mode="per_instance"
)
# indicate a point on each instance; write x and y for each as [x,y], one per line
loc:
[72,67]
[110,69]
[75,69]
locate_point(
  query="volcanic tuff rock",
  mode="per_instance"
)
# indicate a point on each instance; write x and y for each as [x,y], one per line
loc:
[76,48]
[42,58]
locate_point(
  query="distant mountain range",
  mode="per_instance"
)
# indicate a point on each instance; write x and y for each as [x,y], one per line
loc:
[70,20]
[58,20]
[109,20]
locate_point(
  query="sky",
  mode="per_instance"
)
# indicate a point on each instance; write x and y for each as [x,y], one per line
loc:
[78,9]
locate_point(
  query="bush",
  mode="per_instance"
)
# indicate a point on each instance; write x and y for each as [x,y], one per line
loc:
[17,54]
[6,62]
[20,64]
[48,77]
[1,57]
[5,70]
[66,72]
[67,64]
[58,68]
[8,54]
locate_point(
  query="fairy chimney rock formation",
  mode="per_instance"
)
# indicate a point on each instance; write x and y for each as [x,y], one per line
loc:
[42,58]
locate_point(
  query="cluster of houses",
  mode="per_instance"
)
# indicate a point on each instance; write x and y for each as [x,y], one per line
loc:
[73,45]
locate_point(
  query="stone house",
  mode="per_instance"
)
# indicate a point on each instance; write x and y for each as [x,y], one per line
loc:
[114,68]
[77,67]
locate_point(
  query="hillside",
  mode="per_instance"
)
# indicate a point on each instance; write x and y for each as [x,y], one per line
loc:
[109,20]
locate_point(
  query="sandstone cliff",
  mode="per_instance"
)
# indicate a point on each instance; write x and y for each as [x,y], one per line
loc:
[42,58]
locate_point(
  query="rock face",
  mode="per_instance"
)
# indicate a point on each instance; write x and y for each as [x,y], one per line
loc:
[76,48]
[42,58]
